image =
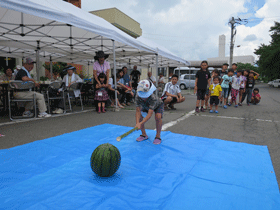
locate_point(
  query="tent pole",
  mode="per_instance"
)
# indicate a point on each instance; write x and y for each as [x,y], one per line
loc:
[37,61]
[88,69]
[157,72]
[7,61]
[51,68]
[115,74]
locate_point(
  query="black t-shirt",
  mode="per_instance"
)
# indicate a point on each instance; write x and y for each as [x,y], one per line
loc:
[135,75]
[202,79]
[21,73]
[223,73]
[250,83]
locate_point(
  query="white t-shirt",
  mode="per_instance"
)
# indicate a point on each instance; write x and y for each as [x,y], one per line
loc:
[172,89]
[236,82]
[161,79]
[152,79]
[111,82]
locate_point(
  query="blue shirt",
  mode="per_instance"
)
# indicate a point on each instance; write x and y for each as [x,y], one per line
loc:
[226,81]
[126,79]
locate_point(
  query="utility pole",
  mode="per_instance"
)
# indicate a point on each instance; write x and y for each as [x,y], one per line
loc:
[232,22]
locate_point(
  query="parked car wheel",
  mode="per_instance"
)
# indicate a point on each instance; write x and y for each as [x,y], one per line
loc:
[182,87]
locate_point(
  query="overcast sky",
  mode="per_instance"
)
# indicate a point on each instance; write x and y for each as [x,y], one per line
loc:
[191,28]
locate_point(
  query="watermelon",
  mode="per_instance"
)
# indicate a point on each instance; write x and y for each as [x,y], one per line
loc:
[105,160]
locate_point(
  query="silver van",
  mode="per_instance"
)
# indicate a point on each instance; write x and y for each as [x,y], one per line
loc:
[186,81]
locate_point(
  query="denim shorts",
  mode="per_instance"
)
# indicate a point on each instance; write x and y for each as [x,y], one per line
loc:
[225,92]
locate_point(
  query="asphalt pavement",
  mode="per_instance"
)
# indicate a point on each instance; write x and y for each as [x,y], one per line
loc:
[255,124]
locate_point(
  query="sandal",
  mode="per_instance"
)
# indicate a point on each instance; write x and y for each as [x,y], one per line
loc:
[157,140]
[142,138]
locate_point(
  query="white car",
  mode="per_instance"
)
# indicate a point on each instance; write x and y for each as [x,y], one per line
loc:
[274,83]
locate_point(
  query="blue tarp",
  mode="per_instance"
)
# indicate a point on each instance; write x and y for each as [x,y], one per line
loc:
[184,172]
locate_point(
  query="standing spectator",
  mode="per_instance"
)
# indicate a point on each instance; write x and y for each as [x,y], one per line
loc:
[172,93]
[125,91]
[226,80]
[135,77]
[151,78]
[215,94]
[215,73]
[234,67]
[101,66]
[242,87]
[224,70]
[101,93]
[249,87]
[24,75]
[236,82]
[8,75]
[202,80]
[111,91]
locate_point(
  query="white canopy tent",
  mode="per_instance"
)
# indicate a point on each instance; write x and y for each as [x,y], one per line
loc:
[54,30]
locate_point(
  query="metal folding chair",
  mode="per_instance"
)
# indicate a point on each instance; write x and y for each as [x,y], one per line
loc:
[73,87]
[55,85]
[17,86]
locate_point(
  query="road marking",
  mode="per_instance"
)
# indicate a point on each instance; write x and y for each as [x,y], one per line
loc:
[240,118]
[33,119]
[172,123]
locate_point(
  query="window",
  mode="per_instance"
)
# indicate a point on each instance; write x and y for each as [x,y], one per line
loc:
[162,70]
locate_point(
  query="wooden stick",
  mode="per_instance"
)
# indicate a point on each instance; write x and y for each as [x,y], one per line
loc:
[126,134]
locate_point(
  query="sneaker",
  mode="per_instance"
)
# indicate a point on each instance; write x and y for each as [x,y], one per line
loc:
[239,104]
[229,104]
[1,135]
[128,104]
[197,110]
[236,106]
[142,138]
[248,104]
[225,106]
[216,111]
[171,107]
[202,110]
[211,111]
[54,112]
[27,114]
[44,115]
[59,111]
[157,140]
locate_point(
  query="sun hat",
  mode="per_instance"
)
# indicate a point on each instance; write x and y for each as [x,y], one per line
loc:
[69,68]
[100,54]
[145,89]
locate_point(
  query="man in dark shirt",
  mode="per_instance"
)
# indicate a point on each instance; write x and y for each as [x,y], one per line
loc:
[135,77]
[24,75]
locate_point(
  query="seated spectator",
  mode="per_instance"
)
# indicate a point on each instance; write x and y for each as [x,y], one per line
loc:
[151,78]
[256,97]
[8,75]
[161,79]
[111,91]
[18,67]
[24,75]
[68,80]
[125,90]
[172,93]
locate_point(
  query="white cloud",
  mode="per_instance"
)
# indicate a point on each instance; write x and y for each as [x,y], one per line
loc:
[191,28]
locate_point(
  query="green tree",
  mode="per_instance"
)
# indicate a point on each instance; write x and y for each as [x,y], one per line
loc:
[269,55]
[249,66]
[57,68]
